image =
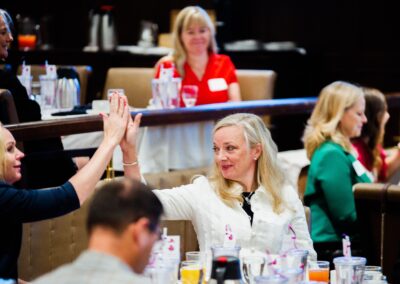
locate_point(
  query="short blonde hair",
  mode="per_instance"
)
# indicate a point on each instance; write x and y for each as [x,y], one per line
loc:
[323,125]
[268,174]
[185,18]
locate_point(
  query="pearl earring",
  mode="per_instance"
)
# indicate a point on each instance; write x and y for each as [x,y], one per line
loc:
[255,158]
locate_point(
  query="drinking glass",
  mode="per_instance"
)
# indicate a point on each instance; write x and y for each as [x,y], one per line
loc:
[372,273]
[296,258]
[48,86]
[165,93]
[349,270]
[318,271]
[271,279]
[191,272]
[189,95]
[253,266]
[294,275]
[220,250]
[193,256]
[27,33]
[120,92]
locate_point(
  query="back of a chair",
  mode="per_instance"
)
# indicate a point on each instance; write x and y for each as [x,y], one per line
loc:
[84,72]
[256,84]
[135,81]
[369,200]
[379,216]
[8,112]
[391,251]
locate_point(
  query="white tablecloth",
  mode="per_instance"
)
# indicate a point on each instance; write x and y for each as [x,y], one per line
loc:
[160,148]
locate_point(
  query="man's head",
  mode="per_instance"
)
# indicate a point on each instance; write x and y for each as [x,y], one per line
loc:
[124,220]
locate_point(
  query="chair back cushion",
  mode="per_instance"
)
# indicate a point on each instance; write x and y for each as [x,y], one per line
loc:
[135,81]
[8,112]
[256,84]
[378,213]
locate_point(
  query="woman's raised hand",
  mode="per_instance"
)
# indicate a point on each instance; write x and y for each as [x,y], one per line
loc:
[115,124]
[128,142]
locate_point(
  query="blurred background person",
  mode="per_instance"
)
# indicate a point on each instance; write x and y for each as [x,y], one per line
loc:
[18,206]
[195,59]
[123,225]
[369,145]
[337,117]
[46,170]
[244,193]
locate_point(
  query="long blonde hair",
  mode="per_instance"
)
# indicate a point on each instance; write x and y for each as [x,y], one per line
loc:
[185,18]
[323,125]
[2,152]
[268,174]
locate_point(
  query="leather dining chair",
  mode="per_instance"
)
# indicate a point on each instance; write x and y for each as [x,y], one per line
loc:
[8,112]
[254,84]
[378,214]
[135,81]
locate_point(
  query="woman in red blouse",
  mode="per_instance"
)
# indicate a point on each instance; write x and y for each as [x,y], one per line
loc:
[369,144]
[196,61]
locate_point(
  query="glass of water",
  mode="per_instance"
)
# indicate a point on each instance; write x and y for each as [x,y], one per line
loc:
[253,266]
[120,92]
[189,95]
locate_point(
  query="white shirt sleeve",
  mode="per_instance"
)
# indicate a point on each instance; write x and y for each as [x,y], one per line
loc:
[180,203]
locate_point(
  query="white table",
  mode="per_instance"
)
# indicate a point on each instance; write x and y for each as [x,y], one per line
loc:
[160,148]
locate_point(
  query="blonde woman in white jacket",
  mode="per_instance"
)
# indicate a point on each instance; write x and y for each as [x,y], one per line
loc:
[245,191]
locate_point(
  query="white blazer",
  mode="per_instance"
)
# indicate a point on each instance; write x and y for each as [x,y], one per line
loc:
[270,232]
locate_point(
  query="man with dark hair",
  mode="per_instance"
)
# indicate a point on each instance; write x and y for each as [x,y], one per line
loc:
[123,225]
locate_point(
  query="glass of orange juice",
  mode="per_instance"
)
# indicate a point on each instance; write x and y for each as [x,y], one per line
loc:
[27,33]
[191,272]
[318,271]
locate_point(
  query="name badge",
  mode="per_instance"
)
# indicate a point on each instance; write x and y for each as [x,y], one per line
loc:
[217,84]
[359,168]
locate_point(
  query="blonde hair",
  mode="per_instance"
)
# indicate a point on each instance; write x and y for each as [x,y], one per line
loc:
[268,172]
[323,125]
[2,152]
[185,18]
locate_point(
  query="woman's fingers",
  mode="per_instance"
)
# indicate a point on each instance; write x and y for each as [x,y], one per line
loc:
[136,121]
[114,103]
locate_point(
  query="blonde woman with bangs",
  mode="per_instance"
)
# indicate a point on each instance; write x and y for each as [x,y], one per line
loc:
[18,206]
[337,117]
[195,59]
[244,193]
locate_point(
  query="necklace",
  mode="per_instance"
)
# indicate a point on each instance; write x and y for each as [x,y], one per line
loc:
[247,198]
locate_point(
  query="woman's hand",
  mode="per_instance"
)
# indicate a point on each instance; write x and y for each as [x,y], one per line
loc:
[128,147]
[128,142]
[116,122]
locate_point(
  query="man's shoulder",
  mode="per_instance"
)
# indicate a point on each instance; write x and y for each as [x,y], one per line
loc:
[92,267]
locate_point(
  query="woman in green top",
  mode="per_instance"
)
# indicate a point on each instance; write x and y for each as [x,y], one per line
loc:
[337,117]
